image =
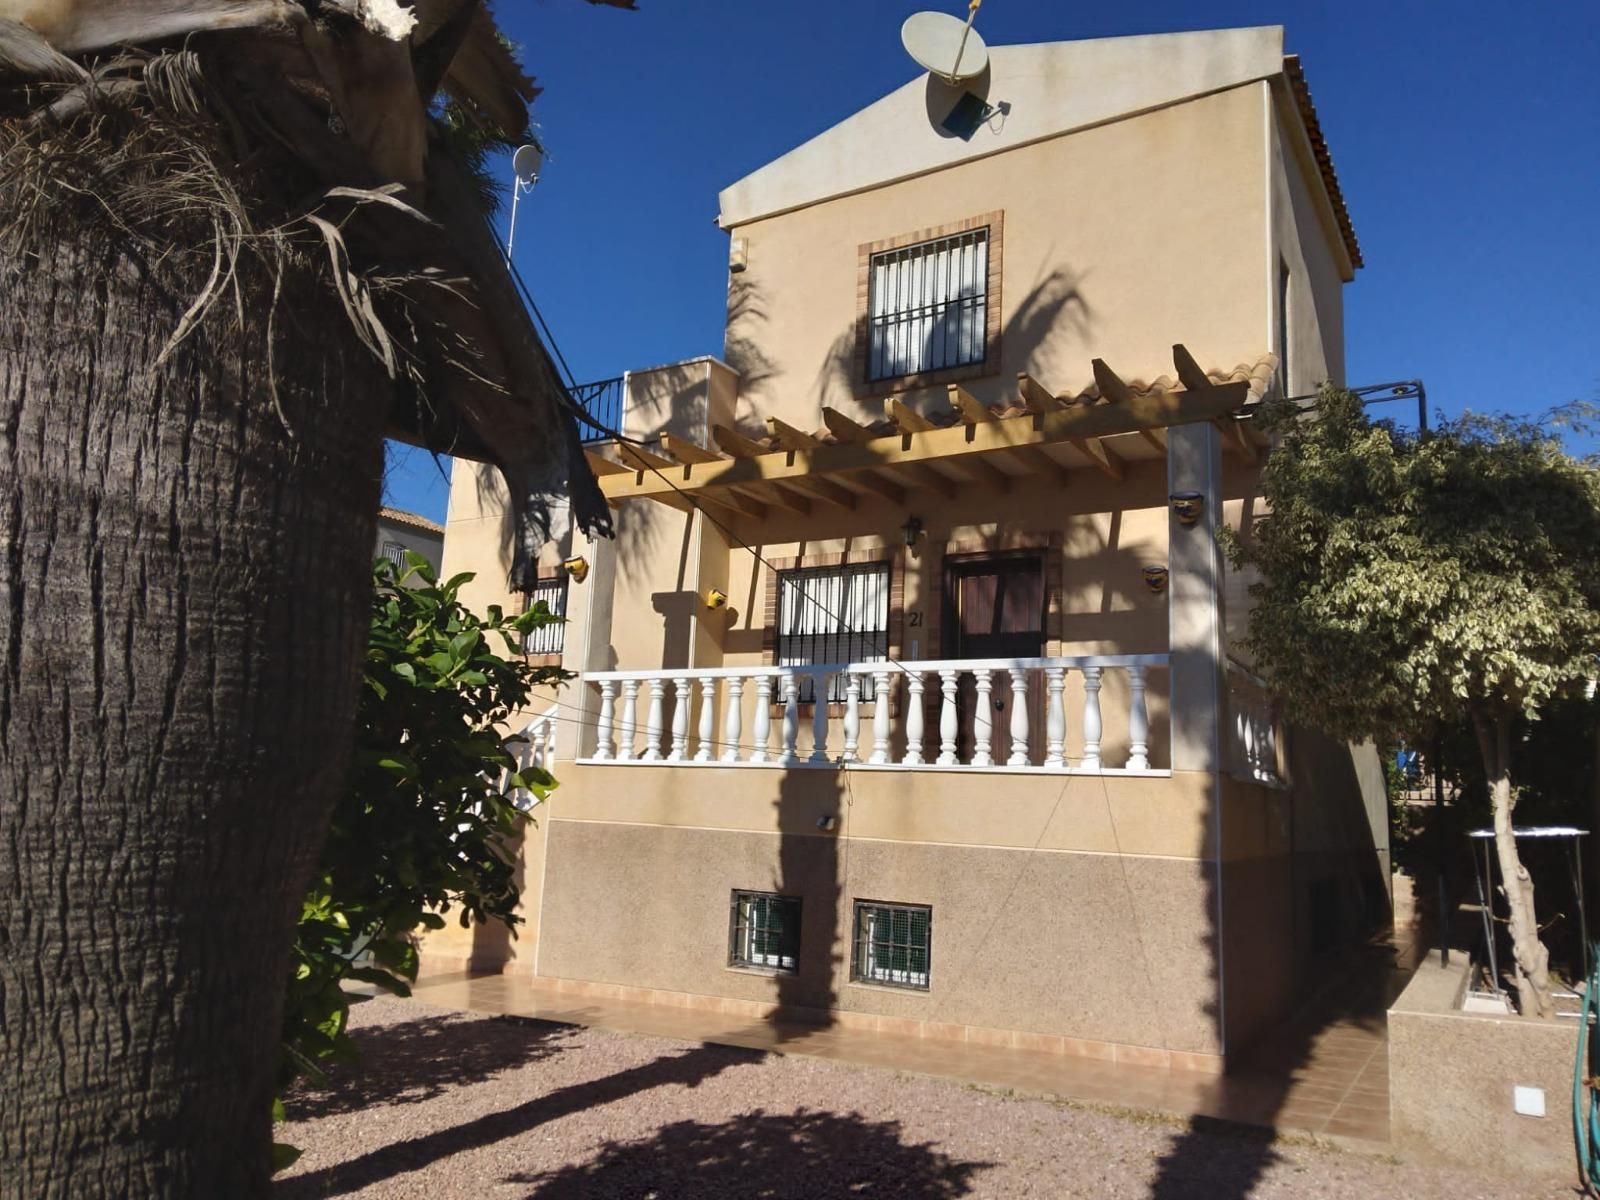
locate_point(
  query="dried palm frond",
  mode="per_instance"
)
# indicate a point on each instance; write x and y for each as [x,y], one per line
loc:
[299,132]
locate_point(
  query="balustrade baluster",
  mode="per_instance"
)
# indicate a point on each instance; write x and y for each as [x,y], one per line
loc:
[603,748]
[630,715]
[947,718]
[1091,718]
[1138,722]
[1055,720]
[683,689]
[819,718]
[653,721]
[762,750]
[733,723]
[536,756]
[708,719]
[882,710]
[983,720]
[852,718]
[914,714]
[1019,718]
[791,719]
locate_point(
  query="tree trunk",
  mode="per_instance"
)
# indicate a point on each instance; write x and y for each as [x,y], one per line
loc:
[183,602]
[1530,959]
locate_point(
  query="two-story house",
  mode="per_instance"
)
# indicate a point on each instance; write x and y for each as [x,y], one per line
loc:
[908,694]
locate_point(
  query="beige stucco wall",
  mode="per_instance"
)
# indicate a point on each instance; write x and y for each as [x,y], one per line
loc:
[1119,241]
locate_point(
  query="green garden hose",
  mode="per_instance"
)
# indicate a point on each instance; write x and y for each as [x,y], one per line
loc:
[1586,1088]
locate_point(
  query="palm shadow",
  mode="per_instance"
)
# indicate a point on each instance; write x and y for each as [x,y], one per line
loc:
[687,1069]
[803,1155]
[411,1062]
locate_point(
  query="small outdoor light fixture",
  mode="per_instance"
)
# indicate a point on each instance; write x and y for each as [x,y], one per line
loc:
[1187,506]
[716,598]
[1155,578]
[827,824]
[578,568]
[913,530]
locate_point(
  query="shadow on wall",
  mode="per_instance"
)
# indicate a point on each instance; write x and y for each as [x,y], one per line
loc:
[764,1156]
[741,345]
[810,815]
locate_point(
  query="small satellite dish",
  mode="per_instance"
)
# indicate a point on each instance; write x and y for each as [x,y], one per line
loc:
[525,164]
[945,46]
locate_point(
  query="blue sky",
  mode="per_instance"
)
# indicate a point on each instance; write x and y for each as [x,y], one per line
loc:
[1466,136]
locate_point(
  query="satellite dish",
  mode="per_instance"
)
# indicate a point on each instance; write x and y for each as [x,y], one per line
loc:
[525,164]
[945,46]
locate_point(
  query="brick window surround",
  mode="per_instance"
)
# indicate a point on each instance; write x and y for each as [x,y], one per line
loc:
[1051,549]
[866,388]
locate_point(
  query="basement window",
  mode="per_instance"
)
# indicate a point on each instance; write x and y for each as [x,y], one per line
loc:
[893,944]
[928,306]
[764,932]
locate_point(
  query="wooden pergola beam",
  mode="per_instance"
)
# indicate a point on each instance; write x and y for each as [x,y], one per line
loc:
[972,410]
[1110,383]
[601,465]
[846,429]
[736,444]
[982,471]
[879,484]
[1036,398]
[820,487]
[1156,437]
[1189,371]
[647,460]
[906,420]
[1036,460]
[791,438]
[687,452]
[920,475]
[783,495]
[1109,462]
[732,502]
[1153,410]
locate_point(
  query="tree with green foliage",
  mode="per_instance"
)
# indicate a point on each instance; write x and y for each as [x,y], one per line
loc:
[428,818]
[1410,582]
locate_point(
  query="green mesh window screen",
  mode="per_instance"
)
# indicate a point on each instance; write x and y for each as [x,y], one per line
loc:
[764,931]
[893,944]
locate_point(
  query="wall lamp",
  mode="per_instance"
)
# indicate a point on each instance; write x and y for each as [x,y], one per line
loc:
[1187,506]
[913,531]
[1155,578]
[578,568]
[716,598]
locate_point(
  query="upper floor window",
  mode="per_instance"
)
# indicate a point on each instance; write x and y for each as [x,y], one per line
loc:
[551,638]
[395,553]
[833,615]
[928,306]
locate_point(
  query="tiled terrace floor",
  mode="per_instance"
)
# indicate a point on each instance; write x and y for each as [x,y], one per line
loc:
[1325,1072]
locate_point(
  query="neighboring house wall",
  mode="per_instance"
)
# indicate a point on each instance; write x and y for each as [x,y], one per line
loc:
[400,531]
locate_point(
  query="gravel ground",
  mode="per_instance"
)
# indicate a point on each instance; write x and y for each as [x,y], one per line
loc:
[449,1104]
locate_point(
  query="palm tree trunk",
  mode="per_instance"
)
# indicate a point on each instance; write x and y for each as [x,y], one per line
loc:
[183,602]
[1530,959]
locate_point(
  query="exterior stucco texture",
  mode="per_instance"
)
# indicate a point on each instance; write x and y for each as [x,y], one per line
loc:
[1078,945]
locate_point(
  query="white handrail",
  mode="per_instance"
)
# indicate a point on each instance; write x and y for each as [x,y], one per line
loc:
[1075,663]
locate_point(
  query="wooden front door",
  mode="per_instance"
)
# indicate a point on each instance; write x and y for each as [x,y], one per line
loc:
[994,608]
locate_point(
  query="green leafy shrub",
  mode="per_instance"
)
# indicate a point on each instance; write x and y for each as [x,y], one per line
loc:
[427,821]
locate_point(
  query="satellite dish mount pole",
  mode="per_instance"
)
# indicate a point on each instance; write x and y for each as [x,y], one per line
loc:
[972,15]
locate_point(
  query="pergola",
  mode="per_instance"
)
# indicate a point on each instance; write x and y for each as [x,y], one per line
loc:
[1042,433]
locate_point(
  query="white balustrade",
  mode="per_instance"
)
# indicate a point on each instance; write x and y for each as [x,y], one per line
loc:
[1253,728]
[1073,692]
[534,745]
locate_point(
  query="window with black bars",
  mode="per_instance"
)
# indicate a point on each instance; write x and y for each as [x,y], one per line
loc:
[893,944]
[764,931]
[833,615]
[928,306]
[551,638]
